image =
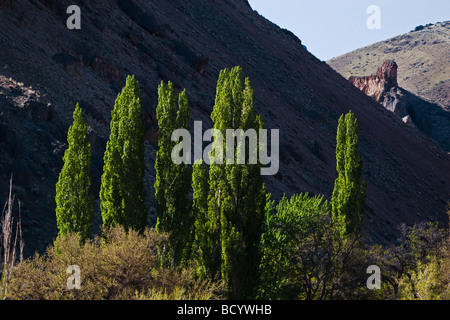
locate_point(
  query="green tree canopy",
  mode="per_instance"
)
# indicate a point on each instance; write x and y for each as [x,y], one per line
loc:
[291,221]
[122,193]
[349,194]
[173,181]
[237,194]
[203,241]
[74,206]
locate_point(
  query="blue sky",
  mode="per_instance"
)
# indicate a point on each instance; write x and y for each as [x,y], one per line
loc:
[329,28]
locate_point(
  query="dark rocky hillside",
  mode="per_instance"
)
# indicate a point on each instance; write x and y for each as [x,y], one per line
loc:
[45,69]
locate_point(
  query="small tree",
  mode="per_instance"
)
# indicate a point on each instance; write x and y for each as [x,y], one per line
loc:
[122,191]
[74,206]
[286,226]
[349,194]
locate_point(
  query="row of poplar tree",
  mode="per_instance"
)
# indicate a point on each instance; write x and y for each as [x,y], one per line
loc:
[215,215]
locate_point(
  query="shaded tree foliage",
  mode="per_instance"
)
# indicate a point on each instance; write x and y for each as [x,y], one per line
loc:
[237,193]
[122,193]
[172,185]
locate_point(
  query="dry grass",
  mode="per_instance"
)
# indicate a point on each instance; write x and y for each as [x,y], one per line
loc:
[119,266]
[11,239]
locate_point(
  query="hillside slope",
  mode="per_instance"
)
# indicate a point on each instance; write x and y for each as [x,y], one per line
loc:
[430,118]
[422,55]
[47,68]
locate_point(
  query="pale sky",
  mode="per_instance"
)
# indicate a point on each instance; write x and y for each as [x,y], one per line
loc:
[329,28]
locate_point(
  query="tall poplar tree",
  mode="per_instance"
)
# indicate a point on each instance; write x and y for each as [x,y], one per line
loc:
[237,195]
[349,194]
[172,185]
[74,206]
[122,193]
[202,237]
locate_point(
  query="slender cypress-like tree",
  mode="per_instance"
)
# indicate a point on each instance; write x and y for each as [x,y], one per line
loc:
[74,206]
[349,194]
[173,181]
[202,238]
[122,193]
[237,195]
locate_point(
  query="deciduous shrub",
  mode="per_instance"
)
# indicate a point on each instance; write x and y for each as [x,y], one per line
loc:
[120,265]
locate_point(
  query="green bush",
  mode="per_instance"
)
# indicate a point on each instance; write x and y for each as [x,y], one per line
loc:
[304,254]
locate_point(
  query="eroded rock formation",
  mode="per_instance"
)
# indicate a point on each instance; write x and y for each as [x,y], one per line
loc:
[377,85]
[415,111]
[383,87]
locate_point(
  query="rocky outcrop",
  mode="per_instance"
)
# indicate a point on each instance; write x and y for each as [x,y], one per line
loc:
[383,87]
[395,100]
[428,117]
[377,85]
[422,57]
[388,73]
